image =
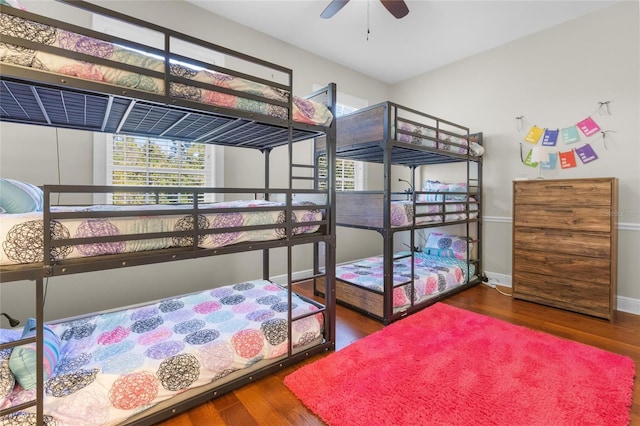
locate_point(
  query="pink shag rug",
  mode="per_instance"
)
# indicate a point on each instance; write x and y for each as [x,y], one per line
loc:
[448,366]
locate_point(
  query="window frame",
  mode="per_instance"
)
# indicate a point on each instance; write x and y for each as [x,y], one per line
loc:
[346,104]
[102,146]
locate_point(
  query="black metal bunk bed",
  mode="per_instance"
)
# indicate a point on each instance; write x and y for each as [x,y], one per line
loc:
[33,94]
[393,135]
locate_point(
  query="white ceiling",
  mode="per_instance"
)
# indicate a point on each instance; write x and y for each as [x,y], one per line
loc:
[433,34]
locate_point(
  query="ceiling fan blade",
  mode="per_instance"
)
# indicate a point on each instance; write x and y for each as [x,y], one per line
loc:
[333,8]
[397,8]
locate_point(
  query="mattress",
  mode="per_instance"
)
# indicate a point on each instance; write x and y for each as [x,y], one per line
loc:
[402,212]
[22,241]
[424,136]
[304,110]
[432,275]
[117,364]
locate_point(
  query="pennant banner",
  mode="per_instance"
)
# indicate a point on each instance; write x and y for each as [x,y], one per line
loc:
[586,154]
[546,157]
[567,159]
[570,134]
[551,164]
[529,161]
[588,126]
[550,137]
[534,134]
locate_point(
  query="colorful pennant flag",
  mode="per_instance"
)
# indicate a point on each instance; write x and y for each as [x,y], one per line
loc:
[586,154]
[534,134]
[551,163]
[528,161]
[550,137]
[567,159]
[588,126]
[570,134]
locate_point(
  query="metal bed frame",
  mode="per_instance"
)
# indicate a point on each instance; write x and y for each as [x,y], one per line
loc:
[32,96]
[372,135]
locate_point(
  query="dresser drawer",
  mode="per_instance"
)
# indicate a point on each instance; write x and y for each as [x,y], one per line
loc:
[591,192]
[597,219]
[565,293]
[564,242]
[588,269]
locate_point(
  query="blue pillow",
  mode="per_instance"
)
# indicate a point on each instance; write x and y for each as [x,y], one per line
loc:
[20,197]
[22,361]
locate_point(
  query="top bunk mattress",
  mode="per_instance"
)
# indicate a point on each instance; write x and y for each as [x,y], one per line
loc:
[53,50]
[413,138]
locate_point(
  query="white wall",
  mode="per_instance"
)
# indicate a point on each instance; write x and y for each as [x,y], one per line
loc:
[554,78]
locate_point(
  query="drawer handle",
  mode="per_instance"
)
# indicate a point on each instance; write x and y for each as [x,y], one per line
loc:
[559,186]
[559,210]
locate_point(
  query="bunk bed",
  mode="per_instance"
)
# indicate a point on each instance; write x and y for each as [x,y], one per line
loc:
[144,363]
[401,281]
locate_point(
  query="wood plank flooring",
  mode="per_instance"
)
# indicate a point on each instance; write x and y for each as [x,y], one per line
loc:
[268,401]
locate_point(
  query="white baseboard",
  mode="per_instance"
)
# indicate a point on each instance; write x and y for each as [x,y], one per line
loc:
[499,279]
[625,304]
[296,276]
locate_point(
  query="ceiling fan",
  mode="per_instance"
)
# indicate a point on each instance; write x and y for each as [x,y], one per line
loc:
[397,8]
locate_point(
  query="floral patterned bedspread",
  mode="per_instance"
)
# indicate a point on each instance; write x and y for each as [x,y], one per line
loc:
[21,237]
[423,136]
[432,275]
[402,212]
[304,110]
[116,364]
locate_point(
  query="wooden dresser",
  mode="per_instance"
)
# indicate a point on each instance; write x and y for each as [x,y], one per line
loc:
[565,239]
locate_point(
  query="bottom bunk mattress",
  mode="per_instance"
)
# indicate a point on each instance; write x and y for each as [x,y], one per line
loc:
[117,364]
[432,276]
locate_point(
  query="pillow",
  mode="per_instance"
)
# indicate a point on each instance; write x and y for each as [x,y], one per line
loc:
[12,3]
[444,245]
[437,186]
[476,149]
[7,379]
[20,197]
[23,358]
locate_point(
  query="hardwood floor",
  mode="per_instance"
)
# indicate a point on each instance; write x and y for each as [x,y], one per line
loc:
[268,402]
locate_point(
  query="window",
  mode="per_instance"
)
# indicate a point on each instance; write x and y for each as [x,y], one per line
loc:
[349,173]
[141,161]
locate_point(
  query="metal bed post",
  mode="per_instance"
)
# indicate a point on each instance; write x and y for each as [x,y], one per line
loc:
[412,240]
[265,253]
[40,350]
[479,202]
[387,233]
[330,243]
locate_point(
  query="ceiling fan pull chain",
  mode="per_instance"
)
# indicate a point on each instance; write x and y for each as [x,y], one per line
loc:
[368,20]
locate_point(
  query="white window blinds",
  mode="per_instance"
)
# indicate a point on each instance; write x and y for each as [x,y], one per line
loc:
[141,161]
